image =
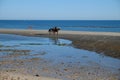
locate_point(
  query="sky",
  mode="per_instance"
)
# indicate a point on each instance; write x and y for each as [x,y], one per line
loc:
[59,9]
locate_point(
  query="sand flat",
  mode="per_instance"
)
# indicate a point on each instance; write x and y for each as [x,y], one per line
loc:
[28,31]
[18,76]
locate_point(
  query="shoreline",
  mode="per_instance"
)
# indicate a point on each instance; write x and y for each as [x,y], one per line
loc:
[107,43]
[68,32]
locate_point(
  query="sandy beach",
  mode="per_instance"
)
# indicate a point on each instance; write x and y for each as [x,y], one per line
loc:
[45,32]
[107,43]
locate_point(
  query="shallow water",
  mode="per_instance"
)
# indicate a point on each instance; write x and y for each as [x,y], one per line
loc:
[54,50]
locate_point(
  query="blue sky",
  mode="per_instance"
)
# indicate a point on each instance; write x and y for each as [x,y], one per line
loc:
[60,9]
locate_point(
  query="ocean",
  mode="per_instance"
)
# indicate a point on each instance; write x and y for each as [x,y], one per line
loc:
[74,25]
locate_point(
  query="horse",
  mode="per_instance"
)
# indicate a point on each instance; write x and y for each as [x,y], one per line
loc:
[53,30]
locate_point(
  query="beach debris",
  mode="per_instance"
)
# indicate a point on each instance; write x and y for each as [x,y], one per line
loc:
[62,63]
[65,69]
[18,78]
[37,75]
[60,74]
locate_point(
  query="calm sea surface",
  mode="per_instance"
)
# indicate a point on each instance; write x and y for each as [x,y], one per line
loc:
[75,25]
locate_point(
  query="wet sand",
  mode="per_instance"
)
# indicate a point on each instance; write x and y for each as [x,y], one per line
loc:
[26,70]
[103,43]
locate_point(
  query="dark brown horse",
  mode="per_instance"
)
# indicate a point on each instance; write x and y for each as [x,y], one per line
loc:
[53,30]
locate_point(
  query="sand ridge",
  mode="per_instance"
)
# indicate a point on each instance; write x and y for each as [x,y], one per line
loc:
[29,31]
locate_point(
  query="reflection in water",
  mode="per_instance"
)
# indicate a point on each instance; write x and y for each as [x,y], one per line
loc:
[55,40]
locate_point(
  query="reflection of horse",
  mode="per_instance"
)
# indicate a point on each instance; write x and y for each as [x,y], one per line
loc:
[55,40]
[53,30]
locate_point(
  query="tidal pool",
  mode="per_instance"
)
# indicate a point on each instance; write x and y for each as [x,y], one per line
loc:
[54,50]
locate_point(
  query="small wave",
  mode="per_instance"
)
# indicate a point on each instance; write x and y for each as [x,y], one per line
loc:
[93,26]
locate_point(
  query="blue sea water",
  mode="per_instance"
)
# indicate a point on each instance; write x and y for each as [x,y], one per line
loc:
[75,25]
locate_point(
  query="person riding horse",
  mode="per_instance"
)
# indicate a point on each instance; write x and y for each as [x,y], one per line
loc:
[54,30]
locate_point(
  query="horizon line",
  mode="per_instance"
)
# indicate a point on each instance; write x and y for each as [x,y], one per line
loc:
[60,19]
